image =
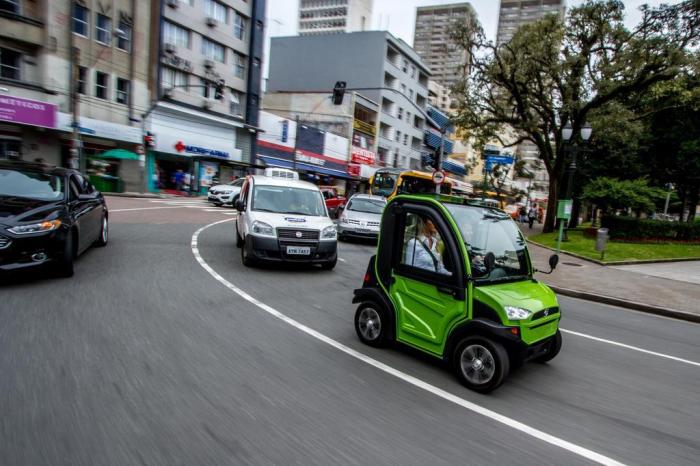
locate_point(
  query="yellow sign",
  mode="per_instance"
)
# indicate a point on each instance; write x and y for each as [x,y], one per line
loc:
[364,127]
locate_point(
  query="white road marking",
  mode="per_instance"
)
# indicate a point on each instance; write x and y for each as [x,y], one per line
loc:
[517,425]
[635,348]
[142,208]
[341,259]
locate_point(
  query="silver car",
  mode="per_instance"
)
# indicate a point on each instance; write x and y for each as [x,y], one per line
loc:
[222,194]
[361,217]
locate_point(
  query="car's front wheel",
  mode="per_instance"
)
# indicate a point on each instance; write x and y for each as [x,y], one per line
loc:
[481,364]
[104,233]
[247,260]
[64,264]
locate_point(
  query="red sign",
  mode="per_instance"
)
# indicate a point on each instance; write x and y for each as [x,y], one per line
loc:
[363,156]
[438,177]
[180,146]
[353,169]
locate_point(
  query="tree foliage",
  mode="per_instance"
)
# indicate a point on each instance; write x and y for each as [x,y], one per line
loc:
[552,72]
[610,194]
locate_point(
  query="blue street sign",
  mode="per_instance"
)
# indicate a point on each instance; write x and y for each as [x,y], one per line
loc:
[493,160]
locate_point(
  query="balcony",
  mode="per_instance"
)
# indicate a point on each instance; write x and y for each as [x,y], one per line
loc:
[21,28]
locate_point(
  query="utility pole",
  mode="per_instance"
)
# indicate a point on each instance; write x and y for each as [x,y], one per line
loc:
[76,156]
[296,143]
[438,163]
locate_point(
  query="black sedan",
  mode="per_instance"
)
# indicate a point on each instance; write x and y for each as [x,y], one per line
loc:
[48,216]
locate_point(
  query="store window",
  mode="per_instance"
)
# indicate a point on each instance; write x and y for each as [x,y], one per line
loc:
[10,64]
[10,148]
[239,65]
[81,20]
[11,6]
[213,51]
[123,88]
[101,84]
[239,26]
[103,29]
[124,36]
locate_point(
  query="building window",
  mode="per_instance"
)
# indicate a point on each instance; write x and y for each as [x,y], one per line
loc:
[410,94]
[239,65]
[398,136]
[213,51]
[400,115]
[10,5]
[405,139]
[123,88]
[124,36]
[82,77]
[101,84]
[81,20]
[103,29]
[173,78]
[405,66]
[176,35]
[408,116]
[239,26]
[10,63]
[216,10]
[403,89]
[235,107]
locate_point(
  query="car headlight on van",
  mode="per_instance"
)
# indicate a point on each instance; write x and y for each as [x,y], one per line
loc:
[516,313]
[42,227]
[329,232]
[263,229]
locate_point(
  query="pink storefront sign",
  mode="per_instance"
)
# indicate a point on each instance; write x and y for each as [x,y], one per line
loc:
[27,111]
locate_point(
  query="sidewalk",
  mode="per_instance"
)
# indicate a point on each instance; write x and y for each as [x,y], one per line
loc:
[630,288]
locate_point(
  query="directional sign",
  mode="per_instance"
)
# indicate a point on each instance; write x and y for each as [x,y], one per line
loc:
[492,160]
[438,177]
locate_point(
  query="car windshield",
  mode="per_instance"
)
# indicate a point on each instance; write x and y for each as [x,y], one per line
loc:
[384,184]
[488,230]
[370,206]
[31,184]
[286,200]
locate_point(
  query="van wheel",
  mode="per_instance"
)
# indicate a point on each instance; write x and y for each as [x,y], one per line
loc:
[552,350]
[245,257]
[239,240]
[481,364]
[372,324]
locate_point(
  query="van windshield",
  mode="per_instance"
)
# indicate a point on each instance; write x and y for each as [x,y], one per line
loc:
[488,230]
[384,184]
[286,200]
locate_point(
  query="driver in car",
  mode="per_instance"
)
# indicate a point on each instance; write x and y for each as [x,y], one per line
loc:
[422,250]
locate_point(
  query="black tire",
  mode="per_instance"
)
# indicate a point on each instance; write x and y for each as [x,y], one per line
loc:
[552,349]
[233,201]
[64,265]
[329,265]
[481,364]
[372,324]
[239,240]
[245,257]
[104,233]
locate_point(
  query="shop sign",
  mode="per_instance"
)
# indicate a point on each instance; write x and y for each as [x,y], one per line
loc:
[364,127]
[197,150]
[100,128]
[27,111]
[301,157]
[354,169]
[362,156]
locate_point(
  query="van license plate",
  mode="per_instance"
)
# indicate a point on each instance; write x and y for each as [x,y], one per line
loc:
[295,250]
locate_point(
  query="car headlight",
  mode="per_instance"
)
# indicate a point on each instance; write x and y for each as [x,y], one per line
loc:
[262,228]
[42,227]
[329,232]
[516,313]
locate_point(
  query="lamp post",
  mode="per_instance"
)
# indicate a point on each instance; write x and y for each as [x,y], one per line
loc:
[567,133]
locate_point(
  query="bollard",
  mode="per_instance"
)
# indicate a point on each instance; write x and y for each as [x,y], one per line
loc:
[601,241]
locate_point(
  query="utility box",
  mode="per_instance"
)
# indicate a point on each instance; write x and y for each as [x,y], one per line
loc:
[564,209]
[601,239]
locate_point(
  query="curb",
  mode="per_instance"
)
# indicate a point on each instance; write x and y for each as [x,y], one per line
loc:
[647,308]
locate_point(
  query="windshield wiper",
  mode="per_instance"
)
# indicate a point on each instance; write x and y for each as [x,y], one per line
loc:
[265,210]
[294,212]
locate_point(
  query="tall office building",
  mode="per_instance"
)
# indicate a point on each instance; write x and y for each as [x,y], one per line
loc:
[432,40]
[327,16]
[514,13]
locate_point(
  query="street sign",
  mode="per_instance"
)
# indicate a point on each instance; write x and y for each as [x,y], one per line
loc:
[438,176]
[564,209]
[492,160]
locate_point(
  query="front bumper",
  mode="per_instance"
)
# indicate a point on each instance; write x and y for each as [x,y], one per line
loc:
[275,250]
[357,231]
[18,252]
[226,198]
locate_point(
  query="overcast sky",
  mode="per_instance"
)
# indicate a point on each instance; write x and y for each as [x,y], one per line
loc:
[399,16]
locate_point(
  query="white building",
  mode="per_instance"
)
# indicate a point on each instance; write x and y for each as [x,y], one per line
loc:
[328,16]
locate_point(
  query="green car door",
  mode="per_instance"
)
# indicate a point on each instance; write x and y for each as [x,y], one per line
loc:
[428,281]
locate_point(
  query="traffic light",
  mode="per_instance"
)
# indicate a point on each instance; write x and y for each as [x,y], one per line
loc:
[219,89]
[339,92]
[149,139]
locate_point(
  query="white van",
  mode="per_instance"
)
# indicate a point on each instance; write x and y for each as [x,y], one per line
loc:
[281,220]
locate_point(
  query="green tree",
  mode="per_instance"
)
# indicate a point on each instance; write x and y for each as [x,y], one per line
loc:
[610,195]
[551,73]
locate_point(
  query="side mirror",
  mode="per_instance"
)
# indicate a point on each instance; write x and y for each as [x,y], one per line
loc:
[239,205]
[553,261]
[489,261]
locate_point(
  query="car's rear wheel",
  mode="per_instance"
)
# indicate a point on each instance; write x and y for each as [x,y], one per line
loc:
[552,349]
[481,364]
[64,265]
[372,324]
[104,233]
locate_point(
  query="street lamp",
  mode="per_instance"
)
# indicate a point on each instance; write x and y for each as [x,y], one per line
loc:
[566,134]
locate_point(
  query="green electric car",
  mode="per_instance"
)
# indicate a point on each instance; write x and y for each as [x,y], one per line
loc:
[454,279]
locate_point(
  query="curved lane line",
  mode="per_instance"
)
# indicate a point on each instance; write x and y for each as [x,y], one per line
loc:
[635,348]
[524,428]
[143,208]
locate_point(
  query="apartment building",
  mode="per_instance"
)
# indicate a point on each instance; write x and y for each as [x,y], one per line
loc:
[432,41]
[205,86]
[385,68]
[334,16]
[514,13]
[66,65]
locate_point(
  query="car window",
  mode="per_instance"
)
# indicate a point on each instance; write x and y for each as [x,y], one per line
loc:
[370,206]
[31,184]
[238,183]
[423,247]
[74,189]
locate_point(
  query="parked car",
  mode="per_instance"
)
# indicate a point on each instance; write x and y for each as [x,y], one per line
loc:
[284,220]
[361,217]
[334,202]
[222,194]
[48,217]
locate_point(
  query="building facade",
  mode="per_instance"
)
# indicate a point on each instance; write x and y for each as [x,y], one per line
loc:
[334,16]
[73,82]
[205,89]
[432,41]
[385,69]
[514,13]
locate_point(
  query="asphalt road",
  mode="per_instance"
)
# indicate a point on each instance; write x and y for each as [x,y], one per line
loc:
[143,357]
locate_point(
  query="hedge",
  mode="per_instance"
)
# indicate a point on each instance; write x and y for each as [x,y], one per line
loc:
[630,228]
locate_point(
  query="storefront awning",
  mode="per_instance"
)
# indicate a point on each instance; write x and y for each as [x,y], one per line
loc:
[121,154]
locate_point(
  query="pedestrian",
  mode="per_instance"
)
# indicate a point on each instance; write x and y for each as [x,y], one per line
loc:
[523,214]
[179,179]
[187,182]
[531,215]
